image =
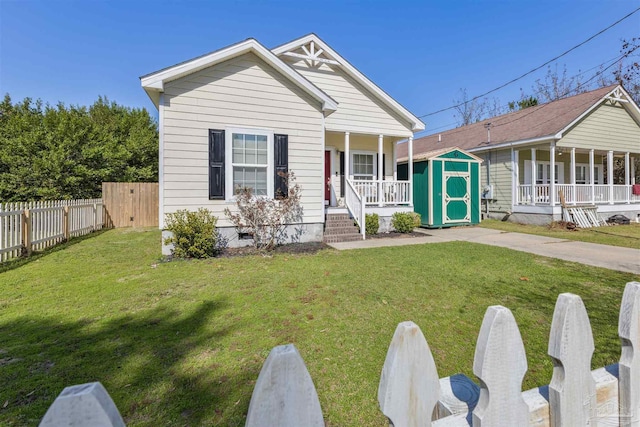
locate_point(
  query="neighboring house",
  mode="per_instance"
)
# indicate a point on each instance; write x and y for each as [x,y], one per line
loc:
[237,116]
[566,147]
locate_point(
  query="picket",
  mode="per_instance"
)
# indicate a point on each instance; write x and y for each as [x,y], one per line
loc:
[410,393]
[409,387]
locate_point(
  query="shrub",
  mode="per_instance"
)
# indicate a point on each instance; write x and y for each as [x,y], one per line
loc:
[266,219]
[371,224]
[417,219]
[404,222]
[194,234]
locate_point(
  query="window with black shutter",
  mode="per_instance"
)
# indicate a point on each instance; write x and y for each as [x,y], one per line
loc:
[281,165]
[216,164]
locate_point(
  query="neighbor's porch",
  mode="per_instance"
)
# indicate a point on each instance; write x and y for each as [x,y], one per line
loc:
[542,176]
[361,175]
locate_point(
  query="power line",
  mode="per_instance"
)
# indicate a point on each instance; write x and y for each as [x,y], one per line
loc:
[537,68]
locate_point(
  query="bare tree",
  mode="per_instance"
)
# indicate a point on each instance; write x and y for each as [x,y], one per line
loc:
[628,71]
[557,85]
[475,109]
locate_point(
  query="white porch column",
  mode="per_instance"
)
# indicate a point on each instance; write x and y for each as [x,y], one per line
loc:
[626,177]
[610,175]
[516,178]
[410,164]
[592,177]
[534,170]
[552,174]
[380,168]
[632,163]
[395,161]
[347,161]
[572,174]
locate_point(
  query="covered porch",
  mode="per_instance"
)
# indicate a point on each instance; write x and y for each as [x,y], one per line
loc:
[542,176]
[361,176]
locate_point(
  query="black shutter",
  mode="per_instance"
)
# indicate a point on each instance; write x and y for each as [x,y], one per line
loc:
[216,164]
[281,160]
[342,174]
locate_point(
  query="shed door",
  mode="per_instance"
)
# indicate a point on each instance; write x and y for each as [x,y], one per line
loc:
[457,197]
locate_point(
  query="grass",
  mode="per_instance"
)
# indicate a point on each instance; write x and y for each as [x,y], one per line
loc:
[627,236]
[182,343]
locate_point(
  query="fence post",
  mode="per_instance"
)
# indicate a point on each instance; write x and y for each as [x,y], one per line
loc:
[500,363]
[83,405]
[26,229]
[95,216]
[572,391]
[409,387]
[65,222]
[284,394]
[629,366]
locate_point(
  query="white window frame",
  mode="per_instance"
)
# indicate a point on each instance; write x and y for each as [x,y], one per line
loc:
[228,159]
[369,153]
[544,180]
[599,173]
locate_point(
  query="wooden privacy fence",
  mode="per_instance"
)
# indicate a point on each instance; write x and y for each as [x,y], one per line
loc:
[131,204]
[34,226]
[411,394]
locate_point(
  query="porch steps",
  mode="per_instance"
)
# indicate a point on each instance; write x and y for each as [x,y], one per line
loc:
[340,228]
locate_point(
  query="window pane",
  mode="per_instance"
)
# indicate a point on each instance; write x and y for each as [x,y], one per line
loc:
[251,177]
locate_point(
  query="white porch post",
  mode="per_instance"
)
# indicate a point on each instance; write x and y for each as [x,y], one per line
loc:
[410,151]
[380,167]
[516,178]
[592,177]
[534,170]
[346,156]
[552,173]
[395,161]
[626,177]
[572,174]
[632,163]
[610,175]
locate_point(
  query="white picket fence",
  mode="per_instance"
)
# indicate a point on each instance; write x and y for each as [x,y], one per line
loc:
[34,226]
[411,394]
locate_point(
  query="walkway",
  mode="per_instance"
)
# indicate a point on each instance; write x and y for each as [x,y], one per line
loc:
[611,257]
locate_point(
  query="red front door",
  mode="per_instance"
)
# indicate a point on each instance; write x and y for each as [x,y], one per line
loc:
[327,176]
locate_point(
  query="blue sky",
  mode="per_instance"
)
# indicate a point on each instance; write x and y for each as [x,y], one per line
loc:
[420,52]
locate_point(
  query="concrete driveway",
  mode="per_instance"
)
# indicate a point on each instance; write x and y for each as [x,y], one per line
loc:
[611,257]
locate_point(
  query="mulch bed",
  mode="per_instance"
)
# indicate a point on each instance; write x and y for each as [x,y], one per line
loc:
[396,235]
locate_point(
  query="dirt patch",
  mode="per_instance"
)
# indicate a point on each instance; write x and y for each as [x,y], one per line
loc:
[293,249]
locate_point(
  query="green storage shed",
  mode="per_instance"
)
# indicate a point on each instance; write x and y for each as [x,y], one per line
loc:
[446,187]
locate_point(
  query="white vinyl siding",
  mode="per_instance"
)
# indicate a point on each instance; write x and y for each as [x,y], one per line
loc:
[358,109]
[606,128]
[245,93]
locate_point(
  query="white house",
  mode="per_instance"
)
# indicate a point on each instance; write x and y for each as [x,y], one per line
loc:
[239,115]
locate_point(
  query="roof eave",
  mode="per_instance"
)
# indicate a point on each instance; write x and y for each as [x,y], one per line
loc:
[154,82]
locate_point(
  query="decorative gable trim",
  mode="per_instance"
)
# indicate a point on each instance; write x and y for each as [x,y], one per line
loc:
[331,56]
[153,83]
[616,96]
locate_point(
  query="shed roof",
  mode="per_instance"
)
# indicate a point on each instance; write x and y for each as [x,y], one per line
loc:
[437,153]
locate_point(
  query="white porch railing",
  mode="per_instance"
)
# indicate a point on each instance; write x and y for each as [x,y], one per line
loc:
[576,194]
[355,204]
[376,192]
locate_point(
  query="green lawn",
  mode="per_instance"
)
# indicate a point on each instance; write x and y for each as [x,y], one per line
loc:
[627,236]
[182,343]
